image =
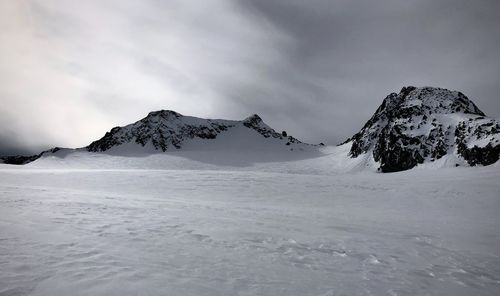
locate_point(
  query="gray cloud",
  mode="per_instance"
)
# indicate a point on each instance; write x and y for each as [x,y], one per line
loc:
[353,53]
[71,70]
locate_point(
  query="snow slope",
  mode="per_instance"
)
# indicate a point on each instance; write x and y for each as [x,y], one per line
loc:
[165,224]
[252,154]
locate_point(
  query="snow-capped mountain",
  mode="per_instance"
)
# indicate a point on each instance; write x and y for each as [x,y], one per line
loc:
[427,125]
[424,124]
[166,130]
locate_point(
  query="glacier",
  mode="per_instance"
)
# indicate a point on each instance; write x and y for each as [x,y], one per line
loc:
[189,223]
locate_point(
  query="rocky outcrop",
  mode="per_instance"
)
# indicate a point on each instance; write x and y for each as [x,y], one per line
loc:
[255,122]
[423,125]
[21,159]
[163,130]
[482,130]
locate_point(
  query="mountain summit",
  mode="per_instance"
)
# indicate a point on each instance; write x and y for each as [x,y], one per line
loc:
[425,124]
[166,130]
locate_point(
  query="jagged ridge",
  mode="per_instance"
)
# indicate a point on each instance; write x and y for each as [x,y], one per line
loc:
[166,129]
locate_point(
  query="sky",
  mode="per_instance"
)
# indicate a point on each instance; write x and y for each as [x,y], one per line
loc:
[71,70]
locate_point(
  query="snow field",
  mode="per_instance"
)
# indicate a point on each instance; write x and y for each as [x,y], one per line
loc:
[66,231]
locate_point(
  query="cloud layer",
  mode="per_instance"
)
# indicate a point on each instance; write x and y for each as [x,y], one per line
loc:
[71,70]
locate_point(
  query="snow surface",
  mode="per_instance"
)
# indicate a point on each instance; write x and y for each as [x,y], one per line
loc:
[222,222]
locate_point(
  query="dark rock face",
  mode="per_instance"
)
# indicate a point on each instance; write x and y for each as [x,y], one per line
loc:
[256,123]
[20,159]
[425,124]
[482,155]
[163,129]
[166,129]
[486,155]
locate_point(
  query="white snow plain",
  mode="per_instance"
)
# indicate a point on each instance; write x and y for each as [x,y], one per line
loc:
[181,224]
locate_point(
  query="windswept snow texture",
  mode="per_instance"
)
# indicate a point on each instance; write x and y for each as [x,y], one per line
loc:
[198,227]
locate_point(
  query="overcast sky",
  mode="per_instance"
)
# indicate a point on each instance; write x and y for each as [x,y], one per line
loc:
[71,70]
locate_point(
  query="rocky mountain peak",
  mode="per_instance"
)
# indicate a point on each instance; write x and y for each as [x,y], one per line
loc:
[421,124]
[255,121]
[253,118]
[166,114]
[166,129]
[419,101]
